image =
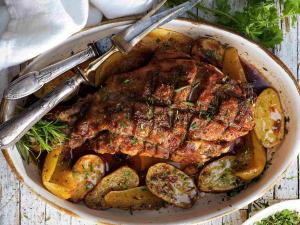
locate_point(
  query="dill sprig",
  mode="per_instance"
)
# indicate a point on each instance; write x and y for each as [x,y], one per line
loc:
[41,137]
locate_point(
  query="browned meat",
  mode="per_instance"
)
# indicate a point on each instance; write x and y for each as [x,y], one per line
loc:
[171,108]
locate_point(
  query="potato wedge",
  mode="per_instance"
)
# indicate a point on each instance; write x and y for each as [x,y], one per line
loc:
[269,118]
[218,176]
[208,50]
[172,185]
[121,179]
[232,66]
[134,198]
[142,52]
[254,158]
[87,172]
[164,38]
[55,177]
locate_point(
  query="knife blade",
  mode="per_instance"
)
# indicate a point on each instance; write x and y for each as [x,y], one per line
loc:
[12,130]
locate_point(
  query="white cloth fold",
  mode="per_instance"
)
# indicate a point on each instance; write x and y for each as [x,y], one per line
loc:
[35,26]
[30,27]
[119,8]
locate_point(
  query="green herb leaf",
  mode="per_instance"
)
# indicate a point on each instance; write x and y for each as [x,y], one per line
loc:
[41,137]
[181,88]
[189,103]
[259,20]
[126,81]
[291,8]
[283,217]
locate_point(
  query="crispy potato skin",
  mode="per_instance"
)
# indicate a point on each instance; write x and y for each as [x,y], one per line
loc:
[218,176]
[87,172]
[269,118]
[135,199]
[172,185]
[232,66]
[121,179]
[255,158]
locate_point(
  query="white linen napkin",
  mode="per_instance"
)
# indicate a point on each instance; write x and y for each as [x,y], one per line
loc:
[119,8]
[29,27]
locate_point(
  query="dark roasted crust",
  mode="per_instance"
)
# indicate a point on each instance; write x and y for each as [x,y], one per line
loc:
[174,107]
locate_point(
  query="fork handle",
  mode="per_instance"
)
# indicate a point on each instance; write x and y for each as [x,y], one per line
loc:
[33,81]
[12,130]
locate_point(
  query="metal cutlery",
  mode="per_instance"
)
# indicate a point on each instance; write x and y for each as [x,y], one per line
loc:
[12,130]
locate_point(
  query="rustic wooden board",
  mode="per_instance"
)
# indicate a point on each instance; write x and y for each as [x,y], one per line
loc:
[19,206]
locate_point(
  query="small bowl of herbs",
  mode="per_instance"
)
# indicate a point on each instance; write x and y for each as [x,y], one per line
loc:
[283,213]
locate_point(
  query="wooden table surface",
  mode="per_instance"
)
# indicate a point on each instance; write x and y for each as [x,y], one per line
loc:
[19,206]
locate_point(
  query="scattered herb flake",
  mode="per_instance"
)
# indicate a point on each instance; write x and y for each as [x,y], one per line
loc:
[189,103]
[181,88]
[285,216]
[126,81]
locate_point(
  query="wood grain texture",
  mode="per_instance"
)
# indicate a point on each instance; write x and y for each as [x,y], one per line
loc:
[18,206]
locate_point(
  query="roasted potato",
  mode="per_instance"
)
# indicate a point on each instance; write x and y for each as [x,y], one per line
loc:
[121,179]
[134,198]
[87,172]
[269,118]
[57,179]
[253,158]
[218,175]
[142,52]
[208,50]
[172,185]
[164,38]
[232,66]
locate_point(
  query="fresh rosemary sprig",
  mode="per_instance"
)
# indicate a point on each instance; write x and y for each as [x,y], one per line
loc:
[41,137]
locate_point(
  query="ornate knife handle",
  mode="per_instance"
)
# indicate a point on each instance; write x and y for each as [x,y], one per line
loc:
[33,81]
[12,130]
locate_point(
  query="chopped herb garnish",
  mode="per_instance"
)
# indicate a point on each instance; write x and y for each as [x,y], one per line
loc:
[133,140]
[142,126]
[285,216]
[150,114]
[122,124]
[194,126]
[189,103]
[181,88]
[126,81]
[127,173]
